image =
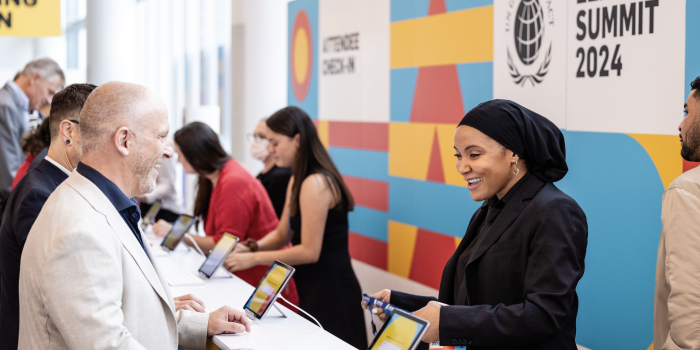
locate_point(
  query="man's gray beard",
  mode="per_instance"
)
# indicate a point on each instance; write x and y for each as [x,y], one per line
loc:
[690,148]
[142,170]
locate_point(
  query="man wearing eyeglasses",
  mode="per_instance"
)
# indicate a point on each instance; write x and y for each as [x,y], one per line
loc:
[30,194]
[33,88]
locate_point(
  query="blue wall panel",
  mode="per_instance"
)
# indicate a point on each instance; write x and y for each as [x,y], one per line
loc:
[433,206]
[369,222]
[408,9]
[372,165]
[614,180]
[403,87]
[476,83]
[456,5]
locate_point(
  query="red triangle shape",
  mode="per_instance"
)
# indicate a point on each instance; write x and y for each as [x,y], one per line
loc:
[429,259]
[436,7]
[435,172]
[438,96]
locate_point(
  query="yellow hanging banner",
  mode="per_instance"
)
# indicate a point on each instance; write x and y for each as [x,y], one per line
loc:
[30,18]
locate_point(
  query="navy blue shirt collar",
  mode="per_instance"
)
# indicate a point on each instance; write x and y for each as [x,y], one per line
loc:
[127,207]
[113,193]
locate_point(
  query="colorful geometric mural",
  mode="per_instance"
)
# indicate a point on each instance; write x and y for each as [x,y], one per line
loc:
[412,207]
[302,82]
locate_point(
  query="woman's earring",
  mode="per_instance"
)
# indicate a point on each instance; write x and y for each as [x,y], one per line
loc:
[67,142]
[516,171]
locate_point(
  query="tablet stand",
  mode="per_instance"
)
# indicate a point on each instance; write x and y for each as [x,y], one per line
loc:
[228,273]
[278,309]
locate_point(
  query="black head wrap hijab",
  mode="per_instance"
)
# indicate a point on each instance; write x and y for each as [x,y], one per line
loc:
[531,136]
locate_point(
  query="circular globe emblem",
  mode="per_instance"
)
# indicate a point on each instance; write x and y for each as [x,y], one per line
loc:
[301,56]
[528,30]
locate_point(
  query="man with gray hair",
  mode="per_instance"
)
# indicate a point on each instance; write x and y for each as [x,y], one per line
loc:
[32,89]
[87,277]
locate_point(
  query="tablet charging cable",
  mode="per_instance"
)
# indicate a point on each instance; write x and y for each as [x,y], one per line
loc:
[296,307]
[195,243]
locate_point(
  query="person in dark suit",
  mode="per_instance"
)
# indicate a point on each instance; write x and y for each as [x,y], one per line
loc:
[511,283]
[32,89]
[28,197]
[39,157]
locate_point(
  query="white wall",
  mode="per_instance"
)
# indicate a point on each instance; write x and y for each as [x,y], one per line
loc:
[263,46]
[22,51]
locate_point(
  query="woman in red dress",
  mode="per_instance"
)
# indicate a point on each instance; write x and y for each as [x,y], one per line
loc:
[229,199]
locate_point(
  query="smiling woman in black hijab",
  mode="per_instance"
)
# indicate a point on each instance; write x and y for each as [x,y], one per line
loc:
[511,283]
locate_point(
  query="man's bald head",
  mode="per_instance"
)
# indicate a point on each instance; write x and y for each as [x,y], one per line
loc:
[112,106]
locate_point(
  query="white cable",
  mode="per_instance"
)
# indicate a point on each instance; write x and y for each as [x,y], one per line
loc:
[307,314]
[195,243]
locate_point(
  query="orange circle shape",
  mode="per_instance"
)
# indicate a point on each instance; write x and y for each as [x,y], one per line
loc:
[301,56]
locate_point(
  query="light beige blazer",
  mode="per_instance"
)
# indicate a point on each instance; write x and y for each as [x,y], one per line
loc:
[677,293]
[86,283]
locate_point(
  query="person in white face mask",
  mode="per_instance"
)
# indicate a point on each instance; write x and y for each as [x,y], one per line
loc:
[273,178]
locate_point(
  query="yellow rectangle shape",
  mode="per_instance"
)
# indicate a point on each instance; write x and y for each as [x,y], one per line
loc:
[450,38]
[32,18]
[323,132]
[409,149]
[402,243]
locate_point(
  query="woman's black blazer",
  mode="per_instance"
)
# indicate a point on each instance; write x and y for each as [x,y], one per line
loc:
[521,277]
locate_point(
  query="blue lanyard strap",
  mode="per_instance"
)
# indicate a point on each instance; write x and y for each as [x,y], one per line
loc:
[387,307]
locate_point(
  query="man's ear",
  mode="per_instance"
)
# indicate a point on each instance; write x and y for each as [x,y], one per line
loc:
[65,130]
[34,78]
[122,140]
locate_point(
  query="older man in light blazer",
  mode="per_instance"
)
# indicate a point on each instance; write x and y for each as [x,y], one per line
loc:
[87,279]
[677,294]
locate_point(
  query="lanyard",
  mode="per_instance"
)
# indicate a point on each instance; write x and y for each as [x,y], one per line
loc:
[388,309]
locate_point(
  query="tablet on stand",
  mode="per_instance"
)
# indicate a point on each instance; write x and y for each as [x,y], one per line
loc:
[180,227]
[267,291]
[150,217]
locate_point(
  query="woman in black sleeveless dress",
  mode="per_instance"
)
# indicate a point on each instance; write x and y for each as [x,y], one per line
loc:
[328,289]
[315,222]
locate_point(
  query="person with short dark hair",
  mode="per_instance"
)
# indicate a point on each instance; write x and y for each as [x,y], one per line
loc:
[30,194]
[677,296]
[315,222]
[32,89]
